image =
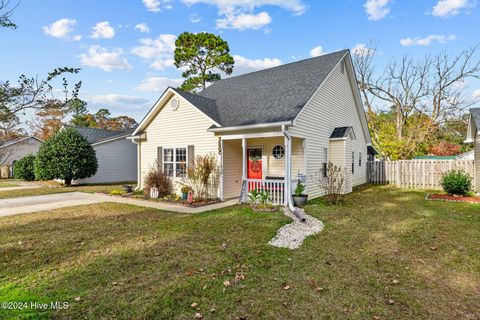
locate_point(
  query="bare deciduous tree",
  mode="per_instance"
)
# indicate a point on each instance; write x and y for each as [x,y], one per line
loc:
[429,89]
[333,183]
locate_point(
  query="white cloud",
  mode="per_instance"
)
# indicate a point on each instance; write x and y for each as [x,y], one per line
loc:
[243,21]
[60,28]
[447,8]
[195,18]
[142,27]
[417,41]
[77,37]
[361,49]
[296,6]
[160,50]
[240,15]
[476,94]
[161,64]
[157,5]
[103,30]
[317,51]
[243,65]
[377,9]
[158,84]
[117,100]
[98,57]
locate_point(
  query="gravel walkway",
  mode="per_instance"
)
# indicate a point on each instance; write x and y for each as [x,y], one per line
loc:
[291,236]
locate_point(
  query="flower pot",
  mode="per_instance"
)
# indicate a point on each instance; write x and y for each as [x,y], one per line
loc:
[154,193]
[127,188]
[184,195]
[300,200]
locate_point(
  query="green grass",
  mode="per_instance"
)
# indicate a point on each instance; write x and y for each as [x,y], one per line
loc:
[105,188]
[126,262]
[8,183]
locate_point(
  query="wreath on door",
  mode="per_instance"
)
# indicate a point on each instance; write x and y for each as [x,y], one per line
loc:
[255,165]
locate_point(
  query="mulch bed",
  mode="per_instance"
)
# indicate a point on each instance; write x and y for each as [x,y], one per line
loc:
[446,197]
[183,203]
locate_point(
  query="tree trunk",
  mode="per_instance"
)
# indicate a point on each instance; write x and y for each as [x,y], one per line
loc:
[68,182]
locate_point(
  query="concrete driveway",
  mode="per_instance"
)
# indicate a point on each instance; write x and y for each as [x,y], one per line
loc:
[12,206]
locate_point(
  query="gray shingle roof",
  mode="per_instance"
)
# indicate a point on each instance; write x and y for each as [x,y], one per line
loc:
[265,96]
[94,135]
[340,132]
[476,116]
[15,140]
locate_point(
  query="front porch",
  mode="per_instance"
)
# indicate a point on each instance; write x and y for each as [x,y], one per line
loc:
[263,163]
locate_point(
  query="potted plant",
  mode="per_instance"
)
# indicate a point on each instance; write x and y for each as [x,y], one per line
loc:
[185,190]
[299,199]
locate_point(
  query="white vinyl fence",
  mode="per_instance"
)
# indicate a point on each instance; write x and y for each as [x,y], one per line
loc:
[418,174]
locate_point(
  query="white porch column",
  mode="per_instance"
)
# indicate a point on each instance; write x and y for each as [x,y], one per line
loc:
[244,158]
[287,169]
[222,183]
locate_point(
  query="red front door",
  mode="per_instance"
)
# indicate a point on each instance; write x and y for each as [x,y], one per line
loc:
[254,163]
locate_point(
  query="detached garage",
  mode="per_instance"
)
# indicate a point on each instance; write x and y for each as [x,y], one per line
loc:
[116,156]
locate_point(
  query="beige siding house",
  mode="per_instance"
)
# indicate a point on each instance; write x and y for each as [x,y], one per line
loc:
[268,129]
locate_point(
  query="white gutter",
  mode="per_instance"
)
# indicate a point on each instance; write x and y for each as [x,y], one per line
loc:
[125,136]
[251,126]
[288,175]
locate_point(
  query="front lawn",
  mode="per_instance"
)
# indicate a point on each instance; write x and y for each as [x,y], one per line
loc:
[385,253]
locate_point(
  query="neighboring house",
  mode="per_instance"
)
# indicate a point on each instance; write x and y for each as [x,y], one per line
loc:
[435,158]
[461,156]
[469,155]
[13,150]
[286,121]
[474,137]
[116,156]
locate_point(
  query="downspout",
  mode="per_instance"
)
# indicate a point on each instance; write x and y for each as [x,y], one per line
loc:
[288,176]
[139,170]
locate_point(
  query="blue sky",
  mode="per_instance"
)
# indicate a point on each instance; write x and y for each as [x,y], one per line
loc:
[124,48]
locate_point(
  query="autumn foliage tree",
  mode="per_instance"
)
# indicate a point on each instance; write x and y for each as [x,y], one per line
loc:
[445,148]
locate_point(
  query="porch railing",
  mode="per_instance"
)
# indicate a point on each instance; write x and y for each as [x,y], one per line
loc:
[275,188]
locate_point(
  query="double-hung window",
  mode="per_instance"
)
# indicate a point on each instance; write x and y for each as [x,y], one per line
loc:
[325,162]
[353,162]
[175,162]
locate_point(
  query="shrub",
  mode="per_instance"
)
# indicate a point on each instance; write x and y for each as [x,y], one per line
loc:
[156,179]
[456,182]
[67,156]
[117,192]
[333,183]
[201,175]
[24,168]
